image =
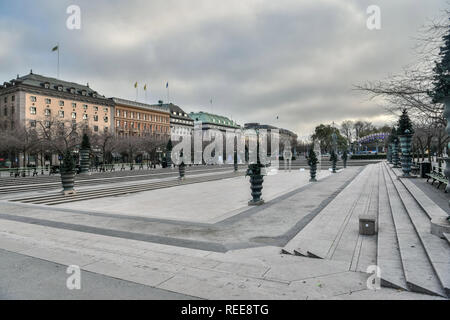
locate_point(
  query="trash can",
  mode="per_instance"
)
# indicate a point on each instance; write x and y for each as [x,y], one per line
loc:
[425,167]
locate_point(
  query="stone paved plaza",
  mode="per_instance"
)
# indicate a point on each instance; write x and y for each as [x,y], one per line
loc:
[303,243]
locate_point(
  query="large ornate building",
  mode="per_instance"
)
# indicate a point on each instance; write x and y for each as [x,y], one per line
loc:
[34,99]
[137,119]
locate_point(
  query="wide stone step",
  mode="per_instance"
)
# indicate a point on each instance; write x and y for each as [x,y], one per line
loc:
[419,273]
[436,249]
[317,238]
[447,237]
[388,251]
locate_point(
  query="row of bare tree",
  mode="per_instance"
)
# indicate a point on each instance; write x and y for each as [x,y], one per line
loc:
[54,136]
[411,89]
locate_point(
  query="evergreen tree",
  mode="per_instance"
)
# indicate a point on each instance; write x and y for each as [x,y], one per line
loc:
[441,78]
[68,162]
[85,143]
[169,145]
[404,123]
[312,159]
[393,135]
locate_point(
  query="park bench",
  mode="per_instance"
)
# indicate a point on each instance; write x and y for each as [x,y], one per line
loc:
[437,175]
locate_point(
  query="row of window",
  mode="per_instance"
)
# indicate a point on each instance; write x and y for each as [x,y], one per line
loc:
[144,126]
[5,111]
[47,124]
[73,104]
[5,99]
[48,113]
[139,116]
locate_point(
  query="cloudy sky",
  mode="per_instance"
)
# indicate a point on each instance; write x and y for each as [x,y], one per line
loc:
[256,59]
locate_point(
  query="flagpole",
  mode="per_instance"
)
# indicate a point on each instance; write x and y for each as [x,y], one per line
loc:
[58,61]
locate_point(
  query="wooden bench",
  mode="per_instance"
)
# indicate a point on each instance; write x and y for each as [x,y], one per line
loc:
[437,176]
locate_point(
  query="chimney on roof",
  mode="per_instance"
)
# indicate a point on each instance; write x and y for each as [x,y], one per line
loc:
[31,71]
[160,102]
[87,85]
[17,76]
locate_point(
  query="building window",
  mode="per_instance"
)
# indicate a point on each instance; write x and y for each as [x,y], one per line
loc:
[131,115]
[61,113]
[95,108]
[61,103]
[32,110]
[32,98]
[105,109]
[74,115]
[85,116]
[125,124]
[60,88]
[74,105]
[47,112]
[118,123]
[105,129]
[5,112]
[124,113]
[138,116]
[118,113]
[106,119]
[47,124]
[13,98]
[96,128]
[33,123]
[48,101]
[47,85]
[85,106]
[95,117]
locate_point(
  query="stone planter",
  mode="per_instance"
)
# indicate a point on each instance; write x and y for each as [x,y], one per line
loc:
[68,182]
[256,185]
[182,171]
[313,172]
[405,144]
[84,161]
[395,157]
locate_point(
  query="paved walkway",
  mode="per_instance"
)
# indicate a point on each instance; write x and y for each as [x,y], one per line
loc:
[235,258]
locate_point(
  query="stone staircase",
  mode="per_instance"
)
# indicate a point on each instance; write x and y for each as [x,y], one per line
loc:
[408,255]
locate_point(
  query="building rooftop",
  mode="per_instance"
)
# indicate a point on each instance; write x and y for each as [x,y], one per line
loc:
[213,119]
[152,107]
[43,82]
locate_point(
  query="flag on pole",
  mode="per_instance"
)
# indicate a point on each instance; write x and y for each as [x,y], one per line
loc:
[145,87]
[135,85]
[167,84]
[55,48]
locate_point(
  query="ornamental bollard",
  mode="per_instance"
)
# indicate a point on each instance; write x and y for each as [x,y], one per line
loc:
[333,159]
[405,144]
[256,184]
[84,161]
[344,158]
[182,170]
[312,162]
[395,157]
[389,155]
[235,162]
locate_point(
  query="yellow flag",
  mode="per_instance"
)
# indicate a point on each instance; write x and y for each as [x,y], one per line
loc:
[145,87]
[135,85]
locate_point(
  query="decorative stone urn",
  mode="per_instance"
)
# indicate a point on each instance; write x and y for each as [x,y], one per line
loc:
[313,172]
[68,182]
[256,184]
[395,157]
[405,144]
[182,170]
[84,161]
[389,153]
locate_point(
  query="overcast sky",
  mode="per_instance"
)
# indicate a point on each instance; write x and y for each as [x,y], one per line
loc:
[256,59]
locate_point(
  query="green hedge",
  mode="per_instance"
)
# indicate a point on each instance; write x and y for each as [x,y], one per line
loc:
[368,156]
